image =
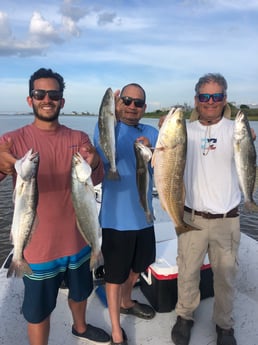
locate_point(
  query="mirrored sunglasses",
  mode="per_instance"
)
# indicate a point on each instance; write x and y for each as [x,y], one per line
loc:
[216,97]
[54,95]
[139,103]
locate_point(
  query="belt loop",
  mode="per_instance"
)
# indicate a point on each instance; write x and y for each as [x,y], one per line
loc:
[225,215]
[192,215]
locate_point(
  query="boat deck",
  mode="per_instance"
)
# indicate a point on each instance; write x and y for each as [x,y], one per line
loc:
[140,332]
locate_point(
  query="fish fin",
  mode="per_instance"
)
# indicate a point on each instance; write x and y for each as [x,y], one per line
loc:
[256,179]
[18,269]
[90,187]
[113,175]
[33,228]
[81,232]
[184,227]
[35,223]
[96,259]
[14,195]
[17,191]
[160,148]
[148,154]
[150,217]
[251,206]
[162,205]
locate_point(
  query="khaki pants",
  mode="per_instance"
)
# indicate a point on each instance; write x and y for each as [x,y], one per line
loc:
[219,238]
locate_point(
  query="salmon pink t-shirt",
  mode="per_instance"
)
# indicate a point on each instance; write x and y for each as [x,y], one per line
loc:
[55,232]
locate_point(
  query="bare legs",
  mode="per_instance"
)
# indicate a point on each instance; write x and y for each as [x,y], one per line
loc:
[119,295]
[78,310]
[38,332]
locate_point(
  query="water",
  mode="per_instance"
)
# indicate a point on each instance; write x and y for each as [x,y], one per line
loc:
[249,222]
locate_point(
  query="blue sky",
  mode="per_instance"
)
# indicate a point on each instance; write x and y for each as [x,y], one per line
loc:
[164,45]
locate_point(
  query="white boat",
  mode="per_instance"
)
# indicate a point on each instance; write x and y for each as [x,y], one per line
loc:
[157,331]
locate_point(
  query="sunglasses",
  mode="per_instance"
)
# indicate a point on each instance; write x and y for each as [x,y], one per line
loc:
[139,103]
[54,95]
[216,97]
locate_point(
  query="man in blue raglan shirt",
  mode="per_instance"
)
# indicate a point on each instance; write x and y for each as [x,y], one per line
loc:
[128,240]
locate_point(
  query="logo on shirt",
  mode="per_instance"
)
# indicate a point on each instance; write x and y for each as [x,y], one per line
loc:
[208,144]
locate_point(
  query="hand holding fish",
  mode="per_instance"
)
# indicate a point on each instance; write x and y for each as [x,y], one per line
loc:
[145,141]
[253,134]
[7,160]
[119,105]
[91,155]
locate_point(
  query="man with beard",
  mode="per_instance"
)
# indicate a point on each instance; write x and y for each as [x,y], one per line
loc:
[56,252]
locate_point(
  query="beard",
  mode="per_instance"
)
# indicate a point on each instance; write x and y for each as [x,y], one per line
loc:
[51,118]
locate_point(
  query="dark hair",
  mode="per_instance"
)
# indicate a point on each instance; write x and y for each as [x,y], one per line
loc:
[211,77]
[136,85]
[46,73]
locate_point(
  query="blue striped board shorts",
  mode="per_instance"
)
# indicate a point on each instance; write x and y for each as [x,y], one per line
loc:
[41,287]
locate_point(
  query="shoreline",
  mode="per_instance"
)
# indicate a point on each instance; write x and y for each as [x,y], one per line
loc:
[152,115]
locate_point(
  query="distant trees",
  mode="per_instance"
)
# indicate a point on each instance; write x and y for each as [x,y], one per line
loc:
[244,107]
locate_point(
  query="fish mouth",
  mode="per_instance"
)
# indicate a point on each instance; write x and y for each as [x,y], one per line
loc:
[34,155]
[77,158]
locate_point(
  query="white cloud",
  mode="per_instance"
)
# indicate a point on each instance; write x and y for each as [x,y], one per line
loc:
[41,29]
[76,13]
[70,27]
[5,29]
[165,47]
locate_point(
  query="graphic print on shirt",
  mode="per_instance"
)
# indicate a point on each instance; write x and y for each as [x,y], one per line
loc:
[208,144]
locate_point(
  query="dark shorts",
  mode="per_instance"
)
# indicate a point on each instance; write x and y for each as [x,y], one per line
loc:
[124,251]
[41,288]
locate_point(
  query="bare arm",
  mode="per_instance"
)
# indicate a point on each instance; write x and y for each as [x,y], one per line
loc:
[7,160]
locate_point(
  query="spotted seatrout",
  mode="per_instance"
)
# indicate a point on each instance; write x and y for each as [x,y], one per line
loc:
[143,155]
[245,159]
[169,163]
[106,124]
[24,215]
[85,206]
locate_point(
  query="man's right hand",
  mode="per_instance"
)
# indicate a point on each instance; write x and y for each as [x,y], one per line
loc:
[7,160]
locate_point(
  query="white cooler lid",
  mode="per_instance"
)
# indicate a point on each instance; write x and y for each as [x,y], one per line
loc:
[166,254]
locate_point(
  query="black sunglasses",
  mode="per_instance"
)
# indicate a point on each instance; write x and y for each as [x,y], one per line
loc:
[54,95]
[139,103]
[216,97]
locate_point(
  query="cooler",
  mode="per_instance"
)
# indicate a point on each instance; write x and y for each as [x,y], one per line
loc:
[159,282]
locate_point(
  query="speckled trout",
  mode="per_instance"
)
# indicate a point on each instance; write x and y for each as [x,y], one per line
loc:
[25,205]
[106,124]
[245,158]
[85,206]
[143,155]
[169,163]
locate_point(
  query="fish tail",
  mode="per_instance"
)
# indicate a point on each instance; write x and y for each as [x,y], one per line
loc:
[18,269]
[182,228]
[113,175]
[150,217]
[251,206]
[96,260]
